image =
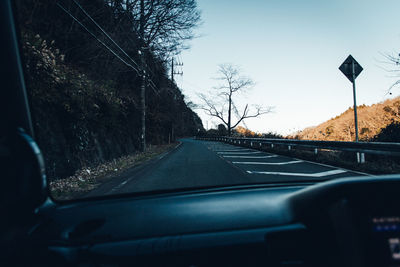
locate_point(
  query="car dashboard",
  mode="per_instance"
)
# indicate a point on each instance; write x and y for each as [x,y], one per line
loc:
[343,222]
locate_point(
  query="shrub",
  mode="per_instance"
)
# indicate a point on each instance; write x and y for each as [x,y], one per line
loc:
[390,133]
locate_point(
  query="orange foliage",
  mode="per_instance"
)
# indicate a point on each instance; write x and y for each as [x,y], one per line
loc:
[371,120]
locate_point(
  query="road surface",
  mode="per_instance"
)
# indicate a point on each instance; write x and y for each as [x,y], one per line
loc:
[196,163]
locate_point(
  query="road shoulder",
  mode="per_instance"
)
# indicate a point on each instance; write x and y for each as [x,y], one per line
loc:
[98,181]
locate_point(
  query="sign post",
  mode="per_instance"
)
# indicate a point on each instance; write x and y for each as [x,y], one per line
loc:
[355,101]
[351,69]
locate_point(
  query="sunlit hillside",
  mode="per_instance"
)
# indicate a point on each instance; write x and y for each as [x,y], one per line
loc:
[242,131]
[371,121]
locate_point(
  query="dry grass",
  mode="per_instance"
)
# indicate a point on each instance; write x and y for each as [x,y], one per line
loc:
[371,119]
[87,179]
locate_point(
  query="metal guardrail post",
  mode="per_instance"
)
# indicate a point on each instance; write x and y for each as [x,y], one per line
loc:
[360,157]
[361,148]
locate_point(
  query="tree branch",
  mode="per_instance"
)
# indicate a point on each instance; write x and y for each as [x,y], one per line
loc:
[232,82]
[258,112]
[211,108]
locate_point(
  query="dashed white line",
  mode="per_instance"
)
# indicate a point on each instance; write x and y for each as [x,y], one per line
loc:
[120,185]
[266,163]
[234,150]
[240,153]
[318,174]
[162,155]
[251,157]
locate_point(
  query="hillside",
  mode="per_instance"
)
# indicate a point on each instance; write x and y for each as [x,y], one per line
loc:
[85,102]
[372,120]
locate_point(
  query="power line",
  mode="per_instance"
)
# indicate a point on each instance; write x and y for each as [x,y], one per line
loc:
[152,84]
[153,44]
[154,89]
[149,69]
[147,66]
[100,41]
[103,31]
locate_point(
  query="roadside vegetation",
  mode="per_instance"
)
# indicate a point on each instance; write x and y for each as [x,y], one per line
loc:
[378,122]
[85,101]
[239,131]
[87,179]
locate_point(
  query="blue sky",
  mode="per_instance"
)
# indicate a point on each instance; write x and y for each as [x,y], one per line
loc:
[292,50]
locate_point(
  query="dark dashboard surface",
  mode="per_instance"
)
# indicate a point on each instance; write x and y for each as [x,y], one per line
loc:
[329,223]
[173,214]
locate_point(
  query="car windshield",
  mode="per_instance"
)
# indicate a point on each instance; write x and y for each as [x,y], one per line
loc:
[133,96]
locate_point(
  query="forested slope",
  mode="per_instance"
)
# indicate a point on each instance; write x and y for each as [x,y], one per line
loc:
[378,122]
[85,101]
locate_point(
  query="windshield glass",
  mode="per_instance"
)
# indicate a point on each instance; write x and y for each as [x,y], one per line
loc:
[135,96]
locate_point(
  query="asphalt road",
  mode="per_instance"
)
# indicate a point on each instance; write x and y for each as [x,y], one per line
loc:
[196,163]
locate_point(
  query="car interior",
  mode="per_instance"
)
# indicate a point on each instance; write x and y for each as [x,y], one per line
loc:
[342,222]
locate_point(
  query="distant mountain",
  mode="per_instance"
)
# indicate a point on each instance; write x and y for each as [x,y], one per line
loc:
[372,121]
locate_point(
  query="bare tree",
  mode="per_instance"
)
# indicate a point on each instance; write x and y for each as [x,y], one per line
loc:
[222,105]
[167,24]
[394,61]
[163,27]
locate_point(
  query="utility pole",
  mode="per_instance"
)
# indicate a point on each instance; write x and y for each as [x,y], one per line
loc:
[143,78]
[173,72]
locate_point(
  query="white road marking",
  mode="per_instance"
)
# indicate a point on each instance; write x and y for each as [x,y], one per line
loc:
[251,157]
[234,150]
[330,166]
[240,153]
[266,163]
[120,185]
[319,174]
[317,163]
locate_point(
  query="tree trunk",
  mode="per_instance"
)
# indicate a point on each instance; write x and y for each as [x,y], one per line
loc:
[229,115]
[143,81]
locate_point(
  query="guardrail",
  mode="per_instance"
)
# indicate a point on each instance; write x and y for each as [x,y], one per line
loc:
[378,148]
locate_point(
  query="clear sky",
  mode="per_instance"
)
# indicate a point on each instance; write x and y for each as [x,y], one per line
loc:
[292,50]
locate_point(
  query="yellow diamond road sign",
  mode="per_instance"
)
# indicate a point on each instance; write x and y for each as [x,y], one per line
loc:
[350,65]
